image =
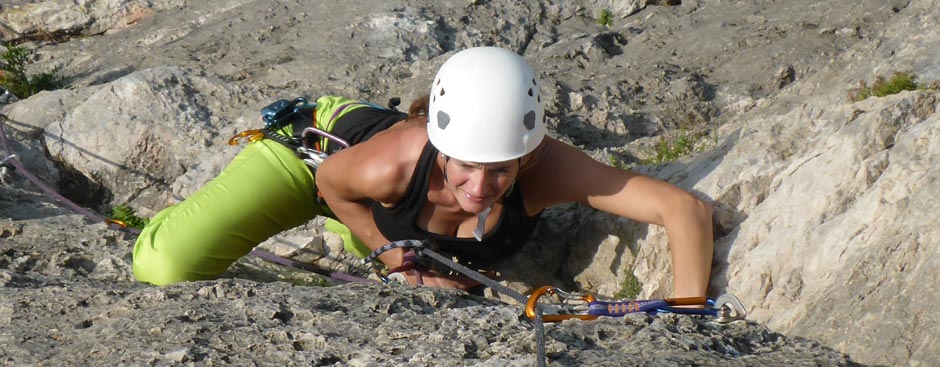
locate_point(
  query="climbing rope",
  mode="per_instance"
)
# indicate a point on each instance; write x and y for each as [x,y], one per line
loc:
[19,168]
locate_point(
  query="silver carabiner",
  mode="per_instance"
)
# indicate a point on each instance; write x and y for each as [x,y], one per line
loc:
[312,157]
[7,158]
[331,137]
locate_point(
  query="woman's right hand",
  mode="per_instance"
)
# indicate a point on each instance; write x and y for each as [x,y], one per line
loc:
[432,278]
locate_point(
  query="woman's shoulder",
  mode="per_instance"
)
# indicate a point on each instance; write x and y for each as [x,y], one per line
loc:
[406,139]
[383,165]
[558,172]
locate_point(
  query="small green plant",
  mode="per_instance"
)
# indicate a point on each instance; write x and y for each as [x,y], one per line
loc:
[899,82]
[672,149]
[606,18]
[13,77]
[127,215]
[630,288]
[613,161]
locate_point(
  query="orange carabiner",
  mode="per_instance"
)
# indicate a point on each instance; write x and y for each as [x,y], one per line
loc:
[538,293]
[251,135]
[118,222]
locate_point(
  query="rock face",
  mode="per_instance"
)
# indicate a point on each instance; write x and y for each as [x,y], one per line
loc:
[71,300]
[824,206]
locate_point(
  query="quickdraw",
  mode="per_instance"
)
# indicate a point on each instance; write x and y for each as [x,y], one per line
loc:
[583,306]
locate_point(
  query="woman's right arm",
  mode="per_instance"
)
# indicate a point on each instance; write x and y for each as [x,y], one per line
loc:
[350,179]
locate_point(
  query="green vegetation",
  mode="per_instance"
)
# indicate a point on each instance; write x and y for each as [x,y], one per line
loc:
[671,147]
[899,82]
[13,77]
[680,145]
[606,18]
[630,288]
[128,216]
[613,161]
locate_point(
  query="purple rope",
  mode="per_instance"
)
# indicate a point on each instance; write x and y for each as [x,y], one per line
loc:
[95,217]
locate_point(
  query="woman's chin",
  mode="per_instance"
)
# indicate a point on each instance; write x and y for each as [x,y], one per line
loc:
[474,206]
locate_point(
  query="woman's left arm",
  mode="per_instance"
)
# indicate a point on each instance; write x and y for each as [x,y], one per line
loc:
[562,173]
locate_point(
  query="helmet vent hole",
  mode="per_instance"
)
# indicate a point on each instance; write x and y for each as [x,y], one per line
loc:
[534,83]
[442,92]
[529,120]
[530,92]
[442,119]
[539,98]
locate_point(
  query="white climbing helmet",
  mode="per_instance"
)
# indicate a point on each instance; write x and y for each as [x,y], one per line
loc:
[485,107]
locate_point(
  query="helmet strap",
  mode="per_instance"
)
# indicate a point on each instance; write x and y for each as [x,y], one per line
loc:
[444,168]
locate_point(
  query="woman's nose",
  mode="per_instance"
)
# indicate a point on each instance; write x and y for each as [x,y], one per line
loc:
[478,182]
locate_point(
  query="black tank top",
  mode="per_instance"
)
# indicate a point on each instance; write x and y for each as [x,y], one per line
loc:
[400,222]
[361,124]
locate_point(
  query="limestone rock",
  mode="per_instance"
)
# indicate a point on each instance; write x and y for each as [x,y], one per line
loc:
[824,207]
[19,19]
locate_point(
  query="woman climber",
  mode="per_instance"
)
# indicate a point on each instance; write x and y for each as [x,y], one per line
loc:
[469,167]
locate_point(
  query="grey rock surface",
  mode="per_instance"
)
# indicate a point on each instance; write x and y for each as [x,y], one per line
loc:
[825,207]
[78,306]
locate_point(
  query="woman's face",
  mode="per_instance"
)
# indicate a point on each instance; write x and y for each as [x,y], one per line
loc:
[478,185]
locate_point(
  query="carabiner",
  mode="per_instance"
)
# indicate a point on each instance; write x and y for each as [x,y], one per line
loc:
[7,159]
[531,304]
[251,135]
[330,137]
[117,222]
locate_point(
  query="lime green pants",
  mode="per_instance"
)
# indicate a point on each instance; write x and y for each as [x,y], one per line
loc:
[266,189]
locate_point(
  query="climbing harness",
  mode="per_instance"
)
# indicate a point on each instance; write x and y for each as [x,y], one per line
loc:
[584,306]
[282,113]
